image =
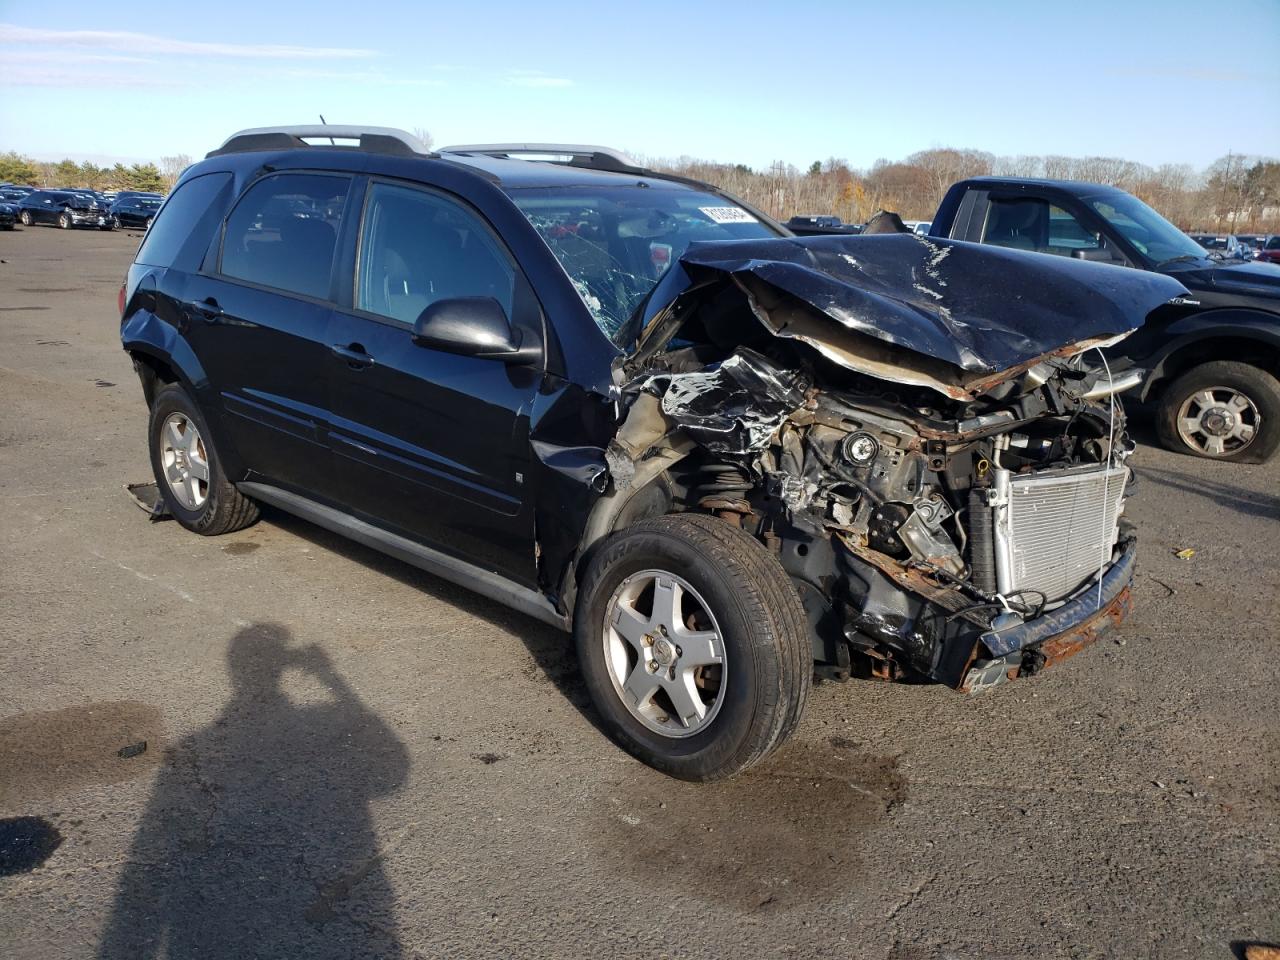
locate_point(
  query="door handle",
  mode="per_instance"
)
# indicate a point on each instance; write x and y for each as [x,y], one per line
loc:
[354,354]
[205,309]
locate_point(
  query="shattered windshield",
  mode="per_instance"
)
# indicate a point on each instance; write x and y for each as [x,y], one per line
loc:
[615,243]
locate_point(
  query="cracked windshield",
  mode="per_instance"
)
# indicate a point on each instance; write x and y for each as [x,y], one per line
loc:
[615,244]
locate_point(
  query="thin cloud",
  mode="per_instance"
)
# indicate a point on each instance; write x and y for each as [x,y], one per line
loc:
[42,76]
[535,78]
[41,56]
[154,44]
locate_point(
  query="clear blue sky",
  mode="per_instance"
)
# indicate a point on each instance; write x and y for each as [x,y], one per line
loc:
[1150,81]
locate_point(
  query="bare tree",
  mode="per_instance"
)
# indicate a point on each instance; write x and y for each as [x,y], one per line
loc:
[423,134]
[171,169]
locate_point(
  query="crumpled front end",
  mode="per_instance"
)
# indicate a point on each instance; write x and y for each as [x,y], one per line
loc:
[940,516]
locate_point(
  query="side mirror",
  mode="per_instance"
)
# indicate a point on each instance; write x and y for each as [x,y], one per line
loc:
[474,327]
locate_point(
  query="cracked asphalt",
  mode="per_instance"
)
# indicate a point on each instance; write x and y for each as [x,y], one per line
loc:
[346,757]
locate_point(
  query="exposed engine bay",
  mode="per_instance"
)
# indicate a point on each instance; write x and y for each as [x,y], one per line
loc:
[939,517]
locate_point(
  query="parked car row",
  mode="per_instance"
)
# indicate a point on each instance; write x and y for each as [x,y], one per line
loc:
[1241,246]
[76,207]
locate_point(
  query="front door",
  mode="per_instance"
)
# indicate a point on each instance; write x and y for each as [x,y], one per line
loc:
[431,444]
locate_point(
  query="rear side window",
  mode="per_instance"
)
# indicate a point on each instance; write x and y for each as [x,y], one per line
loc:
[284,231]
[185,223]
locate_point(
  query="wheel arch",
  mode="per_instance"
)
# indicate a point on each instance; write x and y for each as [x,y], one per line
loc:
[159,364]
[1251,337]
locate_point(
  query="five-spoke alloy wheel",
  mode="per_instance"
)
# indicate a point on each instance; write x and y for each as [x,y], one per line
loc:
[665,653]
[187,468]
[186,464]
[694,645]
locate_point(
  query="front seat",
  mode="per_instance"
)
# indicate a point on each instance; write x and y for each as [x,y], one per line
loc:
[1015,224]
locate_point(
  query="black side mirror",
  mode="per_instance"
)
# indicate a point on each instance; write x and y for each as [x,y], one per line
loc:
[474,327]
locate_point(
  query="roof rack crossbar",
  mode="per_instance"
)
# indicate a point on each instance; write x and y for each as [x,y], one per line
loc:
[600,158]
[369,139]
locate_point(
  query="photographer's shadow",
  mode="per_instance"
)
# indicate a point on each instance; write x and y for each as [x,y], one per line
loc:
[258,839]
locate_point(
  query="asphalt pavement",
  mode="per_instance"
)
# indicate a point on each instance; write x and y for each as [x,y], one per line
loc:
[346,757]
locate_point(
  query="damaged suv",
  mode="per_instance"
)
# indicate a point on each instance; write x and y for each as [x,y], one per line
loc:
[633,407]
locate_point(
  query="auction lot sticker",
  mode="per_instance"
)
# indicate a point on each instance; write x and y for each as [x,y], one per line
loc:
[728,215]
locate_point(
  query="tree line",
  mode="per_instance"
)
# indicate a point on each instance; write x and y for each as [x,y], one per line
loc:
[1233,194]
[16,168]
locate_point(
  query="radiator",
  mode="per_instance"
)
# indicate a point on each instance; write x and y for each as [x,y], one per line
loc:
[1054,529]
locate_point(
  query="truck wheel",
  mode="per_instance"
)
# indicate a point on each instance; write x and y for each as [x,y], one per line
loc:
[188,471]
[1222,410]
[694,646]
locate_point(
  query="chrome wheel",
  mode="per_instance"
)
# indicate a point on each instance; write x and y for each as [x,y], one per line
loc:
[185,461]
[665,653]
[25,218]
[64,222]
[1218,421]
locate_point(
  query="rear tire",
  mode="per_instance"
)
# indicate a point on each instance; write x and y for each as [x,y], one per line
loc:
[181,451]
[733,598]
[1205,411]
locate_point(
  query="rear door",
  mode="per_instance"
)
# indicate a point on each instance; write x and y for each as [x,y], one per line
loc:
[432,444]
[257,318]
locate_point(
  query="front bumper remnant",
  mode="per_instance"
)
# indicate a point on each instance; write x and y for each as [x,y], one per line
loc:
[1048,640]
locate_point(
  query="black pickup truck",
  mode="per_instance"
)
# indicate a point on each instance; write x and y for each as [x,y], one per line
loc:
[1211,359]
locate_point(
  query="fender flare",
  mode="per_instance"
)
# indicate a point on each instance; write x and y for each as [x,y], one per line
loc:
[1227,323]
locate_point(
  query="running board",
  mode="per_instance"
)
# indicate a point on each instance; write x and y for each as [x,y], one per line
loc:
[484,582]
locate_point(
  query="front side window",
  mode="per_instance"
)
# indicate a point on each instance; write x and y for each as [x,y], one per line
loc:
[283,233]
[615,243]
[1027,223]
[418,247]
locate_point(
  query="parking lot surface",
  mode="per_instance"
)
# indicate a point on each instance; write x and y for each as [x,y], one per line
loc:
[346,757]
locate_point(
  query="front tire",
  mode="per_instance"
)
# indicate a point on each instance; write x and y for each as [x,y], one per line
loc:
[64,221]
[1222,410]
[188,470]
[25,218]
[693,645]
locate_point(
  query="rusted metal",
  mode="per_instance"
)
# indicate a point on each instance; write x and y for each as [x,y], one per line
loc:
[948,598]
[1066,645]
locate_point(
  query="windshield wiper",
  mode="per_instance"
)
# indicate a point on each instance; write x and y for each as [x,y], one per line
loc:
[1180,259]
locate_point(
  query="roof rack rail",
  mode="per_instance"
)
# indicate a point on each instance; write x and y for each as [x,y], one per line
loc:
[580,155]
[369,139]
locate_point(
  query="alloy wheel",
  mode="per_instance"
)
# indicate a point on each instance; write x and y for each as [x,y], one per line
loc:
[1218,421]
[185,461]
[665,653]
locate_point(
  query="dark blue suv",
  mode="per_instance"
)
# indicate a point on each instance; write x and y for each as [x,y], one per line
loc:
[631,406]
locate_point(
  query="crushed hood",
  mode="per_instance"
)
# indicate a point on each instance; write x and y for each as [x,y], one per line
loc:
[944,314]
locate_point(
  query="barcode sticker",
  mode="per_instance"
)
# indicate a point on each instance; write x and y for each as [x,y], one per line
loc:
[728,215]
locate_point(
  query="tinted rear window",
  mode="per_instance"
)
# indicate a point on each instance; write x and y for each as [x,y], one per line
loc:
[180,232]
[283,232]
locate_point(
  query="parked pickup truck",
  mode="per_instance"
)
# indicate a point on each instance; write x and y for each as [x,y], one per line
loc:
[1211,359]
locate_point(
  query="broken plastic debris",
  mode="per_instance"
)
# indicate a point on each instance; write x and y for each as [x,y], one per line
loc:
[132,750]
[1186,554]
[147,496]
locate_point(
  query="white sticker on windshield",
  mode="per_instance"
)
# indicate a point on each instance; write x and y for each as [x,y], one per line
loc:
[728,215]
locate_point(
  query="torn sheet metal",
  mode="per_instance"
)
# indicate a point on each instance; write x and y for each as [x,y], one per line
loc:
[938,313]
[733,408]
